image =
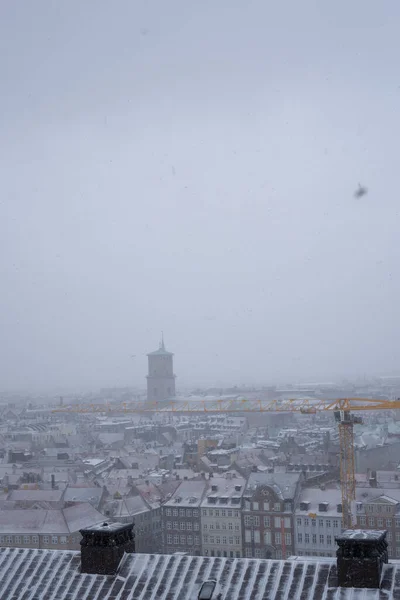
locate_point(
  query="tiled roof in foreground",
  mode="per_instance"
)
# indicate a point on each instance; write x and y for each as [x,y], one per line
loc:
[30,574]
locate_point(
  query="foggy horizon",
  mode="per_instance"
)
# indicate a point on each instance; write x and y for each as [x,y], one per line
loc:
[191,167]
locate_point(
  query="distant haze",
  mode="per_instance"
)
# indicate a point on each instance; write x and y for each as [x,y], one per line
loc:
[190,167]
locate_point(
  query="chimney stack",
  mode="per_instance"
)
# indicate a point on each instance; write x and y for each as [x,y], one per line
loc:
[53,482]
[103,546]
[360,558]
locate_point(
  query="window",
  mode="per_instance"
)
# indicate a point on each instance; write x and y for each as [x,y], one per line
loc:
[211,525]
[183,525]
[288,506]
[278,539]
[175,512]
[248,553]
[397,522]
[329,540]
[277,522]
[217,513]
[314,538]
[175,524]
[388,522]
[189,526]
[217,540]
[257,536]
[223,525]
[389,536]
[237,527]
[397,551]
[17,539]
[267,537]
[217,525]
[231,540]
[257,553]
[279,554]
[266,506]
[2,539]
[288,539]
[277,506]
[204,512]
[195,512]
[183,540]
[54,539]
[321,523]
[224,541]
[314,522]
[307,538]
[306,522]
[328,523]
[35,539]
[300,538]
[223,513]
[267,522]
[388,509]
[255,505]
[298,521]
[190,540]
[46,539]
[229,513]
[363,520]
[397,536]
[205,526]
[176,539]
[370,521]
[256,522]
[205,538]
[321,539]
[379,522]
[169,525]
[237,540]
[27,539]
[189,512]
[196,527]
[63,539]
[169,539]
[248,520]
[237,514]
[181,512]
[168,512]
[286,522]
[335,523]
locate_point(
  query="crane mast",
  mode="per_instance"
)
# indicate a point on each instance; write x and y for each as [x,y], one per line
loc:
[347,467]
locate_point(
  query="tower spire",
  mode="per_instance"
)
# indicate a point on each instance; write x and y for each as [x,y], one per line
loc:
[162,347]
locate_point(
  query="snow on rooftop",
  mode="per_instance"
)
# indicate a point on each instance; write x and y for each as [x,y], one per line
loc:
[56,575]
[360,534]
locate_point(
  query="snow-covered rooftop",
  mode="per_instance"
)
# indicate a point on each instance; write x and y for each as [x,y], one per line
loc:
[55,575]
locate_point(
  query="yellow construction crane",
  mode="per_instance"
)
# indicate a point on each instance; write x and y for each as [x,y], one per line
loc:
[343,409]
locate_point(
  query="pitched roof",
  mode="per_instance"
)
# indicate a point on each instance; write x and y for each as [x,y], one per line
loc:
[55,575]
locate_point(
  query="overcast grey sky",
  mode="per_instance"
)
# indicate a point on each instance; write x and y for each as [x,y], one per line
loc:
[190,166]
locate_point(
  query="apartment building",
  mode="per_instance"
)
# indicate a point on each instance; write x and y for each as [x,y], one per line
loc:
[52,529]
[268,510]
[380,509]
[318,520]
[221,522]
[181,518]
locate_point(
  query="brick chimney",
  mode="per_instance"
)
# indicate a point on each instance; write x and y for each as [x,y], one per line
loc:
[360,558]
[103,546]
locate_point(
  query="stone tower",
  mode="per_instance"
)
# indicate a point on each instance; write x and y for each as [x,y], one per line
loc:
[161,378]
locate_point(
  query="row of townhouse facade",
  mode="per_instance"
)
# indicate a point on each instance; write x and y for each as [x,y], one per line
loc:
[271,515]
